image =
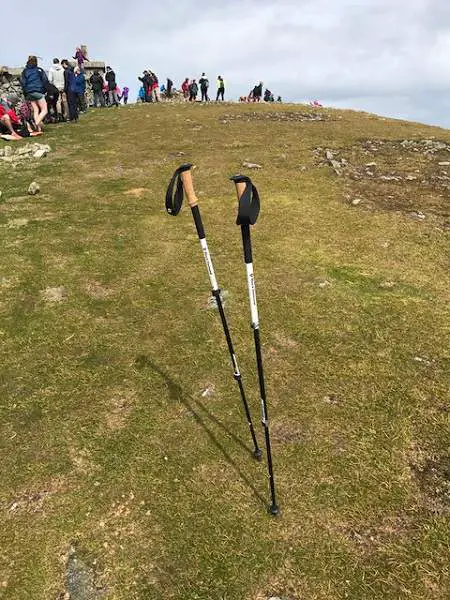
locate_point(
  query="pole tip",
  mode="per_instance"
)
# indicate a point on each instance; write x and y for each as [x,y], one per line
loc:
[258,454]
[274,510]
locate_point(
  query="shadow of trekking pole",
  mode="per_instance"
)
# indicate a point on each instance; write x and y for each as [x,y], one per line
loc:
[195,407]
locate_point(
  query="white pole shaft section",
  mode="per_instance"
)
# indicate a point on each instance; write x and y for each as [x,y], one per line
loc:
[252,295]
[209,265]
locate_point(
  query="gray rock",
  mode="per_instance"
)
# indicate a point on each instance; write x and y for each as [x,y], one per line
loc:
[356,201]
[40,153]
[444,163]
[336,166]
[329,155]
[34,188]
[250,165]
[212,302]
[56,294]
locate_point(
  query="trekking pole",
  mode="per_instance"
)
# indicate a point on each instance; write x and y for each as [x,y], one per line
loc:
[183,180]
[248,199]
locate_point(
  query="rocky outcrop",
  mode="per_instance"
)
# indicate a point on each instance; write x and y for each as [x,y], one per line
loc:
[10,83]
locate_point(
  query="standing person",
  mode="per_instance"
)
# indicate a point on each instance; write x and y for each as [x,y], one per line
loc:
[141,94]
[193,91]
[125,93]
[97,83]
[154,87]
[169,88]
[204,85]
[257,92]
[56,77]
[80,89]
[52,98]
[146,82]
[70,90]
[111,80]
[34,82]
[185,88]
[80,58]
[220,88]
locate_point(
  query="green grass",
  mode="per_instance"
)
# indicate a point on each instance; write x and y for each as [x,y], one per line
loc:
[106,443]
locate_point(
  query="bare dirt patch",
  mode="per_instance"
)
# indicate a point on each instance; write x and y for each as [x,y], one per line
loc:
[98,291]
[432,476]
[410,176]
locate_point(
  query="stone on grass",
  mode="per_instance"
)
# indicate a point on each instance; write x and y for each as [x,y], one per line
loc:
[208,392]
[34,188]
[212,302]
[13,223]
[40,153]
[356,201]
[54,294]
[250,165]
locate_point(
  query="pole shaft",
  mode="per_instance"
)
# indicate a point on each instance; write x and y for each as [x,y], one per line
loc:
[216,293]
[247,244]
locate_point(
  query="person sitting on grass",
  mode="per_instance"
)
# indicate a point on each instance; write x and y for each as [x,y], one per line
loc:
[9,121]
[34,82]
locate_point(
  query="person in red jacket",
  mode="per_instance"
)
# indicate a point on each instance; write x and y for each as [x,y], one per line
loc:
[185,88]
[9,121]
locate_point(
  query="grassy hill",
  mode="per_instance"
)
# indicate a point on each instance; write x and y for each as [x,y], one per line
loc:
[123,479]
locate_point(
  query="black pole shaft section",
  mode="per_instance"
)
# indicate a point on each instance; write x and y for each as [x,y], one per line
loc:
[237,374]
[265,421]
[216,293]
[247,244]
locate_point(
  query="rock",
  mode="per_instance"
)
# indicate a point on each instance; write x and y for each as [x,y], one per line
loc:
[55,294]
[444,163]
[417,215]
[336,166]
[325,283]
[329,155]
[371,164]
[208,392]
[40,153]
[250,165]
[356,201]
[14,223]
[34,188]
[212,303]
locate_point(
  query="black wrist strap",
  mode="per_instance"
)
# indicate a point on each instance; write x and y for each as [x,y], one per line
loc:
[248,210]
[174,201]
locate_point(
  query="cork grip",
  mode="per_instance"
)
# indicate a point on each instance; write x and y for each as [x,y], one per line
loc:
[240,188]
[186,178]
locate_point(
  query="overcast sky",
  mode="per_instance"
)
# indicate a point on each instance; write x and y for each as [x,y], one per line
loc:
[391,57]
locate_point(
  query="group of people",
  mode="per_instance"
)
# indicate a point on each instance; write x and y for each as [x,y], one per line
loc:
[58,96]
[151,90]
[256,94]
[190,89]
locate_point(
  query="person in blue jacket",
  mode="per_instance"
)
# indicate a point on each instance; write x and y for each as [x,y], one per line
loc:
[80,89]
[34,83]
[70,90]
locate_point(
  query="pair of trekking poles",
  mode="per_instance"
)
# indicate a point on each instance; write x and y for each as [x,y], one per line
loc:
[248,201]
